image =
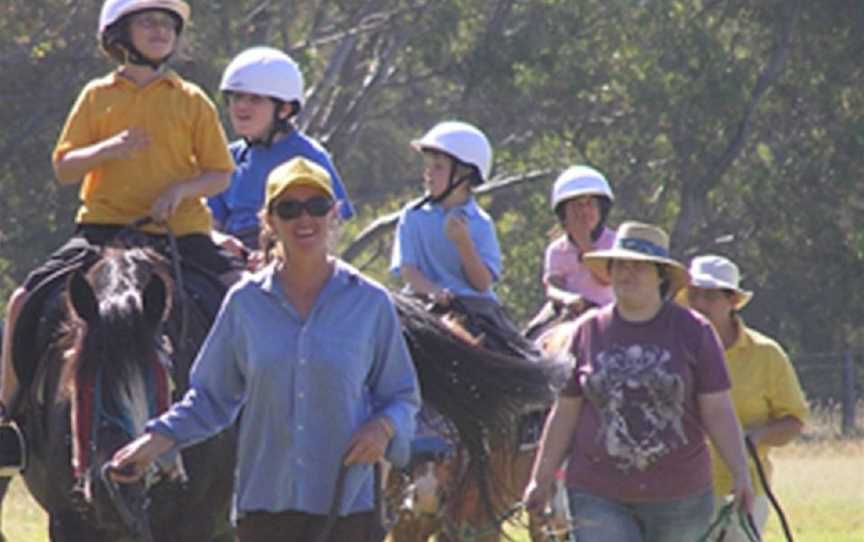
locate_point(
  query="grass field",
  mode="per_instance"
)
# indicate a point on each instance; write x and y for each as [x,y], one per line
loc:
[820,484]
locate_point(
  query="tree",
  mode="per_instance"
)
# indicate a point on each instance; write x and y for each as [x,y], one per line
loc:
[736,125]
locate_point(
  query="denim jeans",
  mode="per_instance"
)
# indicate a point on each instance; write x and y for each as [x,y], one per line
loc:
[596,519]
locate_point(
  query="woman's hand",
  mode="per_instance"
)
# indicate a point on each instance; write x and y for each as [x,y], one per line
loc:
[369,443]
[131,461]
[538,494]
[742,492]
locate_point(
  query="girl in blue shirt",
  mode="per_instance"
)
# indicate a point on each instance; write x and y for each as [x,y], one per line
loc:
[312,352]
[264,91]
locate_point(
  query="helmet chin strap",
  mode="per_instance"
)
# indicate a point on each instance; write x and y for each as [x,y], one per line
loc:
[452,184]
[134,56]
[278,125]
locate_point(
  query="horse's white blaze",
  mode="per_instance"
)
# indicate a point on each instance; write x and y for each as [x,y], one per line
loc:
[426,491]
[133,400]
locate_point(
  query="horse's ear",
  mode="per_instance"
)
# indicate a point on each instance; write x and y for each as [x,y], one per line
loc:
[82,298]
[155,299]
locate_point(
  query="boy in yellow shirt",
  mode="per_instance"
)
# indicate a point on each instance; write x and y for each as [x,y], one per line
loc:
[143,142]
[765,391]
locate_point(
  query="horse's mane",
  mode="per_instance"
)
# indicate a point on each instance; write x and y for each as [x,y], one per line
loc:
[481,392]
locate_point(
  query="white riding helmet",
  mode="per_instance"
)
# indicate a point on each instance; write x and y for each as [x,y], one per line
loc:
[114,10]
[578,181]
[462,141]
[265,71]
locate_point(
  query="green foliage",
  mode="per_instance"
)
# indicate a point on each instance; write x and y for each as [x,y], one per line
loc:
[738,125]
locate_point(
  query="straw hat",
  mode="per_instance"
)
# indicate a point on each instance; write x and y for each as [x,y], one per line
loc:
[718,273]
[640,242]
[297,172]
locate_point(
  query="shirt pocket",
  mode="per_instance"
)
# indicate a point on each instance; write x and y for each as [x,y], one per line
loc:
[342,365]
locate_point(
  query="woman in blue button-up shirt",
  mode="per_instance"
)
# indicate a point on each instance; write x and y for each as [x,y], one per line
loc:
[313,353]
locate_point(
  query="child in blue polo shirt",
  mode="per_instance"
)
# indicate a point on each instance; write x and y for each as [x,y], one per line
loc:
[264,91]
[446,247]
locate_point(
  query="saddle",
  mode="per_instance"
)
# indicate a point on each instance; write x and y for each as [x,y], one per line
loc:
[41,316]
[484,323]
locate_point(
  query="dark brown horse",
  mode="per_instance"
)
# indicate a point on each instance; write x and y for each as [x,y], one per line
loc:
[483,396]
[104,345]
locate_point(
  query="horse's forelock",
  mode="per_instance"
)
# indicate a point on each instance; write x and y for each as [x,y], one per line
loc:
[122,339]
[126,272]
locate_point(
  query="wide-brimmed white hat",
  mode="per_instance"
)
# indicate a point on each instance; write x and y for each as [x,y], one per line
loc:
[719,273]
[640,242]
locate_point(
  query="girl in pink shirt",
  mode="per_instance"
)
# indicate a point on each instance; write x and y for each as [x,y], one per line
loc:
[581,198]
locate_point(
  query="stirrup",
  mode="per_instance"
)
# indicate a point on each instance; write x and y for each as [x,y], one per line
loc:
[13,449]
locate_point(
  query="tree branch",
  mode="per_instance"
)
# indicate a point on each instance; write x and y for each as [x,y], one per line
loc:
[765,80]
[384,224]
[695,192]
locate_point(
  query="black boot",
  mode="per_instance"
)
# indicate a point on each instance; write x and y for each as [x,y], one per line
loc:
[12,449]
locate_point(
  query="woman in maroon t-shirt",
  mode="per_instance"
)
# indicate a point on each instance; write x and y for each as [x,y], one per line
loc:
[649,383]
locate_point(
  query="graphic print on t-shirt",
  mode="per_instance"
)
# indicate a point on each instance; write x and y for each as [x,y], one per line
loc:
[640,401]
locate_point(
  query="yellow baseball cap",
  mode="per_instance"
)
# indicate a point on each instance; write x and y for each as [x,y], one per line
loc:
[297,172]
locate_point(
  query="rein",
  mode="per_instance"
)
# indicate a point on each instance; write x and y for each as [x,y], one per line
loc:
[139,527]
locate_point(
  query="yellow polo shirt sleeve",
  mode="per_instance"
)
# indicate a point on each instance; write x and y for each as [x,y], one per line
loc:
[76,131]
[209,141]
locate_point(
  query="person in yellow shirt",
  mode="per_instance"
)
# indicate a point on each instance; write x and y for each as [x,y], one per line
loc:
[143,142]
[766,393]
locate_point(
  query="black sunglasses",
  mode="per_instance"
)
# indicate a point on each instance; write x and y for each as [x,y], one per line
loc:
[289,209]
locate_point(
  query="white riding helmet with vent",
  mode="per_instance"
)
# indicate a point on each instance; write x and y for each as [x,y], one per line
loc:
[462,141]
[264,71]
[114,10]
[578,181]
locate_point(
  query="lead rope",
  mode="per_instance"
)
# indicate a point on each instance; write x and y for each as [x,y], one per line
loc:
[138,527]
[333,515]
[724,519]
[748,526]
[760,470]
